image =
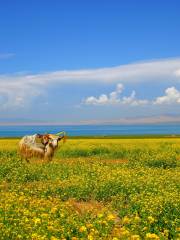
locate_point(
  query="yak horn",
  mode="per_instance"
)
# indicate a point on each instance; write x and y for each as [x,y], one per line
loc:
[60,133]
[64,135]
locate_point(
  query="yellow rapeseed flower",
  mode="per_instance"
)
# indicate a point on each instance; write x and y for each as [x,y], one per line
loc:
[137,219]
[53,210]
[44,215]
[37,220]
[82,229]
[126,220]
[125,232]
[151,219]
[26,220]
[19,236]
[21,198]
[89,225]
[135,237]
[90,237]
[152,236]
[166,232]
[54,238]
[110,217]
[50,227]
[36,236]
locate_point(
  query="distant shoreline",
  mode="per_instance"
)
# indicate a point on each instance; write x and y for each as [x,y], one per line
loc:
[151,120]
[143,136]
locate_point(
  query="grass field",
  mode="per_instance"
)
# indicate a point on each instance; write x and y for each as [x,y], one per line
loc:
[93,189]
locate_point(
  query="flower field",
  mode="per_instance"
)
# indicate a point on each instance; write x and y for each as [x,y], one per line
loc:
[93,189]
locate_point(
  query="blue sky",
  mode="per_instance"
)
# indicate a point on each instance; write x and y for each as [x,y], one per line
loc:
[84,61]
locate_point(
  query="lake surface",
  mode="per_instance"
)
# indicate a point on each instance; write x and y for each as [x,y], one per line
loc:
[90,130]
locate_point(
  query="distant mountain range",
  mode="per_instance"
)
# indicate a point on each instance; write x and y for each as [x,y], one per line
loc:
[137,120]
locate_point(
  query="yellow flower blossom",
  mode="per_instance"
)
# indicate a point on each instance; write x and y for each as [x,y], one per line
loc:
[26,220]
[135,237]
[90,237]
[100,215]
[137,219]
[54,238]
[89,225]
[37,220]
[53,210]
[126,220]
[125,232]
[110,217]
[152,236]
[82,229]
[166,232]
[151,219]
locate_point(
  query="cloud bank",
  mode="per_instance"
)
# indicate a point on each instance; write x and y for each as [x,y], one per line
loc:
[17,90]
[114,98]
[171,96]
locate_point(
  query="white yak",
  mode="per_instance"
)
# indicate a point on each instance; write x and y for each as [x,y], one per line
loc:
[39,146]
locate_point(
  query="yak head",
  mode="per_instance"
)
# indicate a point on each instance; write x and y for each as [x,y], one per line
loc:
[51,139]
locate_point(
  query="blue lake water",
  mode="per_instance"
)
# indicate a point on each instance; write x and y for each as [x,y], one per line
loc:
[90,130]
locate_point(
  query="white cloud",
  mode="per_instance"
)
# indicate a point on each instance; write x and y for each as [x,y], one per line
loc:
[114,98]
[172,96]
[19,89]
[132,100]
